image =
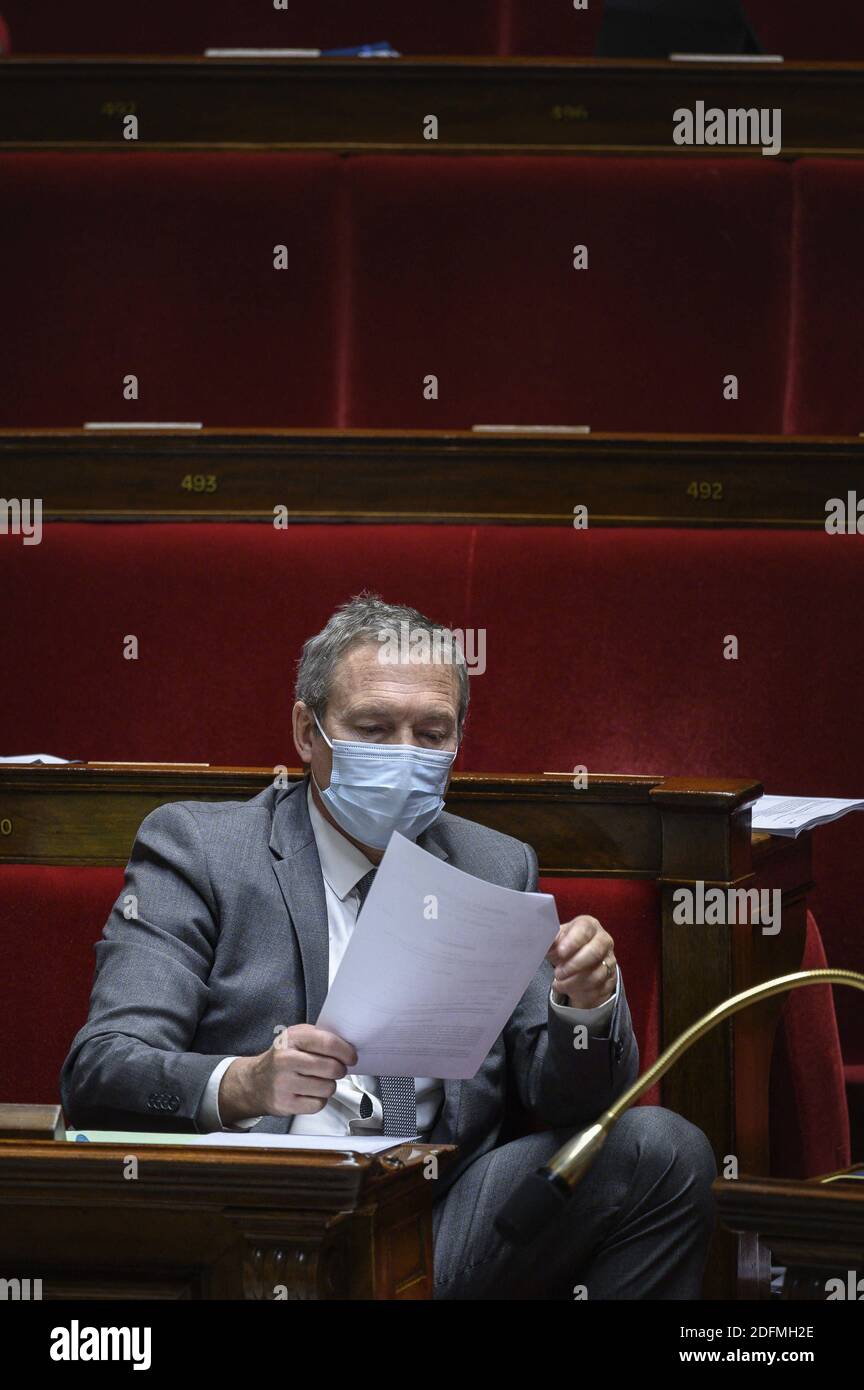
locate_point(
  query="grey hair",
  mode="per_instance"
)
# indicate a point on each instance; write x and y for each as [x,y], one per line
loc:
[365,618]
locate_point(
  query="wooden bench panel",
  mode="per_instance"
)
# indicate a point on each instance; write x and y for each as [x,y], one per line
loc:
[383,476]
[484,105]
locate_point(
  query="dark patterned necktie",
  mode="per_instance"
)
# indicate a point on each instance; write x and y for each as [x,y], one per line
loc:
[398,1093]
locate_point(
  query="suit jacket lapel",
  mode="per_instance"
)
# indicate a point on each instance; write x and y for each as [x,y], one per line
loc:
[298,870]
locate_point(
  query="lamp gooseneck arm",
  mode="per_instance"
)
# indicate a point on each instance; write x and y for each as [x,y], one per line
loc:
[540,1196]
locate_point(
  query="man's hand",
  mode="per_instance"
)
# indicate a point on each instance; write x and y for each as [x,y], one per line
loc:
[296,1076]
[584,958]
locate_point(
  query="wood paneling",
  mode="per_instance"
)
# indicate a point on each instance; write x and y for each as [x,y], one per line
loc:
[483,105]
[217,1223]
[814,1230]
[394,476]
[81,813]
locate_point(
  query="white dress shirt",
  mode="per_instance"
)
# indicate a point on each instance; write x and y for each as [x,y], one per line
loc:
[343,865]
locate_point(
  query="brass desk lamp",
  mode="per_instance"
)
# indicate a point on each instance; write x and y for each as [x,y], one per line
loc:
[540,1196]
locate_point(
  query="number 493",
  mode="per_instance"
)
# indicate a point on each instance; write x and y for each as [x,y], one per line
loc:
[199,482]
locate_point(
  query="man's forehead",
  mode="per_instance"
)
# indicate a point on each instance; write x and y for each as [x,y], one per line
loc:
[361,671]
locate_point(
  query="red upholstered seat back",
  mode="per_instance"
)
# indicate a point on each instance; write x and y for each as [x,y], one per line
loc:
[826,370]
[630,912]
[50,918]
[516,335]
[531,29]
[809,1118]
[163,26]
[220,613]
[174,283]
[834,31]
[165,271]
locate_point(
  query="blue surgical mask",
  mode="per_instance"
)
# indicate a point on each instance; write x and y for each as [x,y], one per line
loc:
[376,788]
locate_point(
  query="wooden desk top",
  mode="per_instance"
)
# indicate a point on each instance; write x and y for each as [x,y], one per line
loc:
[62,1172]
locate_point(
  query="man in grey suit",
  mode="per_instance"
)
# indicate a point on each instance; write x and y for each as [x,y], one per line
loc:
[218,954]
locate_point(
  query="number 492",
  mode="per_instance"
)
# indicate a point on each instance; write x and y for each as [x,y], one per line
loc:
[712,491]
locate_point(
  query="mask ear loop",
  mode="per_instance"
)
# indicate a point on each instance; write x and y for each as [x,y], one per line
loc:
[321,731]
[318,789]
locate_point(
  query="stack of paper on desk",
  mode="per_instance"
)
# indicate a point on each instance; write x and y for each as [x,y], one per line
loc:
[435,966]
[789,815]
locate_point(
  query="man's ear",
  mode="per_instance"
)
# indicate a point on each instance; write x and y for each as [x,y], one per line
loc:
[304,730]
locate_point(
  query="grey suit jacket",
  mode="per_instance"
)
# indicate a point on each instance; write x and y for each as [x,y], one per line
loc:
[220,938]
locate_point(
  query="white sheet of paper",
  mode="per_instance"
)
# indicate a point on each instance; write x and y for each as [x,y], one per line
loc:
[532,429]
[365,1144]
[262,52]
[789,815]
[725,58]
[420,995]
[34,758]
[143,425]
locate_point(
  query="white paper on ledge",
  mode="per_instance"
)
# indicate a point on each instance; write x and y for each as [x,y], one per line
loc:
[366,1143]
[726,58]
[262,52]
[419,994]
[35,758]
[789,815]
